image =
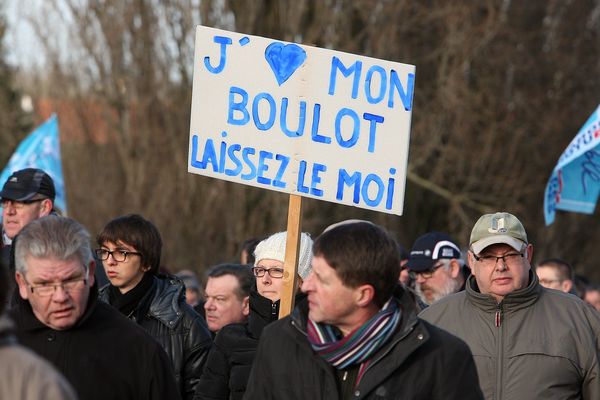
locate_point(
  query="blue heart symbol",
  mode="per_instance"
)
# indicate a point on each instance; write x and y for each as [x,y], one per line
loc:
[284,59]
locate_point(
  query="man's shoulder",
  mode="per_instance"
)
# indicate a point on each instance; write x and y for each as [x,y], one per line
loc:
[438,337]
[106,319]
[446,307]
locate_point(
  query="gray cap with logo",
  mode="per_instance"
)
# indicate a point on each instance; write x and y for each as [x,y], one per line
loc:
[500,227]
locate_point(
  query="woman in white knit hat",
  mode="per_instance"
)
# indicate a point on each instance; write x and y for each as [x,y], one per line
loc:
[230,359]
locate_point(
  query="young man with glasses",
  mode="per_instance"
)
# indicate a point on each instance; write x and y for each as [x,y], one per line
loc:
[130,248]
[230,359]
[102,354]
[527,341]
[437,267]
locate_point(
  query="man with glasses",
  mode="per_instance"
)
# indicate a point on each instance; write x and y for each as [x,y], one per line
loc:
[528,342]
[101,353]
[555,273]
[130,248]
[27,195]
[436,266]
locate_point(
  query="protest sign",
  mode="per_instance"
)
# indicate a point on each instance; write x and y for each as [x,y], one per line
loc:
[302,120]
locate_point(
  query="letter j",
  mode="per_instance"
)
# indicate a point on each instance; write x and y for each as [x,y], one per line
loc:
[223,41]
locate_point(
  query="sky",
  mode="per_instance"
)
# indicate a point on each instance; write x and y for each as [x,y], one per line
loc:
[22,47]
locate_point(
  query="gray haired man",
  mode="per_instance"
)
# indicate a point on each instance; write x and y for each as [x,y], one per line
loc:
[100,352]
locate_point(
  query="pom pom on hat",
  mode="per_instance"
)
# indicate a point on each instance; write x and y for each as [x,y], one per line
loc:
[273,248]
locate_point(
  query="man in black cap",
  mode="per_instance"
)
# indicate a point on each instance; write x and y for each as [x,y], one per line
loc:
[28,194]
[437,267]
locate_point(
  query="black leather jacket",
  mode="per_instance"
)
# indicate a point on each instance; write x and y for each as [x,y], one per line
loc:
[180,330]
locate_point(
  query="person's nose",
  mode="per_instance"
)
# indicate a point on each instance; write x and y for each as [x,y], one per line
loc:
[266,279]
[501,264]
[60,295]
[307,284]
[111,259]
[10,209]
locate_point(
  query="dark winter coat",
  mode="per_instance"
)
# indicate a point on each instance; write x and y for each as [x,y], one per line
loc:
[181,331]
[420,361]
[230,359]
[104,356]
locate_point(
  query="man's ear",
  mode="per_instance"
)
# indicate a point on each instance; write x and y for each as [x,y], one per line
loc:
[23,288]
[454,268]
[529,252]
[567,285]
[246,306]
[46,207]
[471,259]
[364,295]
[91,270]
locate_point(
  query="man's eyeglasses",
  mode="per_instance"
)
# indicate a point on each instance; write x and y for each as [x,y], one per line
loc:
[117,255]
[507,259]
[273,272]
[18,204]
[48,289]
[427,273]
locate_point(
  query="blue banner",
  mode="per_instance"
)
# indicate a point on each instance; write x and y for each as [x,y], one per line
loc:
[575,181]
[41,149]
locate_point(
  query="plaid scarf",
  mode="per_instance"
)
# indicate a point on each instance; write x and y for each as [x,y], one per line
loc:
[359,345]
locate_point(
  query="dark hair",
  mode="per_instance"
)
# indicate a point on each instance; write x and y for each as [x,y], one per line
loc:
[3,286]
[249,246]
[564,269]
[136,231]
[361,253]
[243,274]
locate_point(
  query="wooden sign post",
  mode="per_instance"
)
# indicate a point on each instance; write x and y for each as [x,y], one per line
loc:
[290,265]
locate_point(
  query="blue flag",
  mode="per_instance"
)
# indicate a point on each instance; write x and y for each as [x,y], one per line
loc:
[41,149]
[575,181]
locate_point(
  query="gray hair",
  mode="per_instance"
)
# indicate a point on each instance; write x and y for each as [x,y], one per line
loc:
[52,236]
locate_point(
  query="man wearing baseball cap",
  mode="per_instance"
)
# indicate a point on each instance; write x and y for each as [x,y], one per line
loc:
[528,342]
[436,266]
[28,194]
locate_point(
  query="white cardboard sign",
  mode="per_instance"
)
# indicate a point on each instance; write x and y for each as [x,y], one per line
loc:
[298,119]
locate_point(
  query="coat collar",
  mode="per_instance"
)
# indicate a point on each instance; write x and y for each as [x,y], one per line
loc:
[514,301]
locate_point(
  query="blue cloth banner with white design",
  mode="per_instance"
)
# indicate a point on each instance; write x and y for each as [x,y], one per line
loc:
[41,149]
[575,181]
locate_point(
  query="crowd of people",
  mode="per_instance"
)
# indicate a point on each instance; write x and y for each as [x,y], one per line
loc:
[371,320]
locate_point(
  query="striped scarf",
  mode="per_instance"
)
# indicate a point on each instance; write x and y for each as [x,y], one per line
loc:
[359,345]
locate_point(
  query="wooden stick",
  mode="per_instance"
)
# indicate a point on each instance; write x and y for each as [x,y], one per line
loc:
[290,265]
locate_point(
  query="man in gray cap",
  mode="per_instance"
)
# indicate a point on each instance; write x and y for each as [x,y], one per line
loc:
[528,342]
[28,194]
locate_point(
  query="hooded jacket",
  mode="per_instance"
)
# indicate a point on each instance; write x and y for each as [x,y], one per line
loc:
[230,359]
[181,331]
[420,361]
[537,343]
[103,356]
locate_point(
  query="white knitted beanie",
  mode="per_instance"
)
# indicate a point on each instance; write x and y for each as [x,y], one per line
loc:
[273,248]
